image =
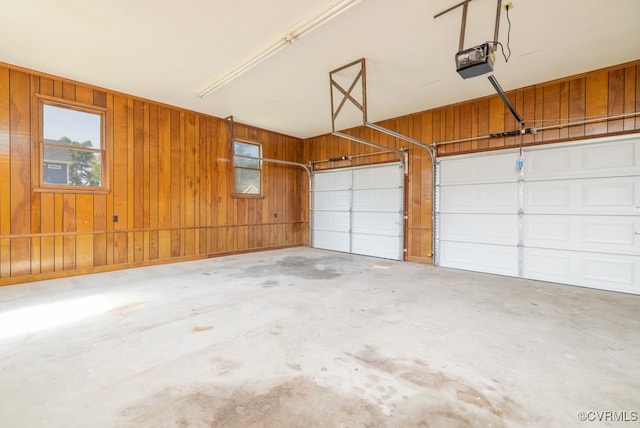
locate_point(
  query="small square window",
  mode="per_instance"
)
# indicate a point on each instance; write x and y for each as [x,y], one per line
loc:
[247,168]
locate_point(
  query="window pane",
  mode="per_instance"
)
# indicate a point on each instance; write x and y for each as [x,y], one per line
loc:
[56,173]
[68,126]
[248,181]
[72,167]
[245,149]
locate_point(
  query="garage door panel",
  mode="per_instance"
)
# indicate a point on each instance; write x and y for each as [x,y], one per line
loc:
[331,221]
[334,201]
[334,180]
[612,196]
[608,269]
[498,259]
[377,200]
[596,159]
[488,228]
[547,265]
[337,241]
[543,196]
[377,246]
[359,210]
[614,158]
[379,177]
[547,231]
[487,198]
[586,233]
[606,231]
[388,224]
[545,164]
[469,170]
[579,220]
[612,193]
[616,272]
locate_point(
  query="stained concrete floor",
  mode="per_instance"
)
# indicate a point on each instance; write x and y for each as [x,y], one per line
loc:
[309,338]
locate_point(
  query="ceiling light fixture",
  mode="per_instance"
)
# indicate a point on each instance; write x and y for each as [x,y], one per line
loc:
[305,26]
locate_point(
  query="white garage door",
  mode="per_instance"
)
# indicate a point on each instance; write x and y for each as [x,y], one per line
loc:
[572,215]
[359,210]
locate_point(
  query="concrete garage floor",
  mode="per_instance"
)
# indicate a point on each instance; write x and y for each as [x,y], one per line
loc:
[310,338]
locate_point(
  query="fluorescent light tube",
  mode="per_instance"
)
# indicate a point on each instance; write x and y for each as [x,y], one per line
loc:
[305,26]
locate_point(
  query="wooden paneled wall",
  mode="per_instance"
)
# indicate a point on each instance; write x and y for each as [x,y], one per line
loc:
[171,177]
[608,92]
[171,186]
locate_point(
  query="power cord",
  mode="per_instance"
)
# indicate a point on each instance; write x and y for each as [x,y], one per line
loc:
[506,57]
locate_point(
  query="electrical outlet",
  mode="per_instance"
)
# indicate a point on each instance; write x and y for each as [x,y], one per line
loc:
[508,6]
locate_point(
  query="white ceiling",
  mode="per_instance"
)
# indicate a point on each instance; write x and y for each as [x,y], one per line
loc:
[167,50]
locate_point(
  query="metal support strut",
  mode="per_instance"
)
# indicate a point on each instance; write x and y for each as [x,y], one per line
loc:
[463,25]
[361,105]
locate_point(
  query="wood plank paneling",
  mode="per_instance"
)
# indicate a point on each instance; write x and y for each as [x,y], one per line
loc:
[5,173]
[551,111]
[528,112]
[132,178]
[20,172]
[483,124]
[137,182]
[58,217]
[100,224]
[637,83]
[564,109]
[120,179]
[110,130]
[146,183]
[629,96]
[616,94]
[154,183]
[577,105]
[36,214]
[597,92]
[175,201]
[84,223]
[169,182]
[496,123]
[47,227]
[190,195]
[69,261]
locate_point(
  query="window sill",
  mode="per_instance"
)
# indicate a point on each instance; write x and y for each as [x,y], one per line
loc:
[244,196]
[77,190]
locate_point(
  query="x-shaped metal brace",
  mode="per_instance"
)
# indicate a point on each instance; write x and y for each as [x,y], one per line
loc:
[361,77]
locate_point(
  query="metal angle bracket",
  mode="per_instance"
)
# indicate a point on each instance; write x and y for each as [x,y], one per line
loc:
[232,127]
